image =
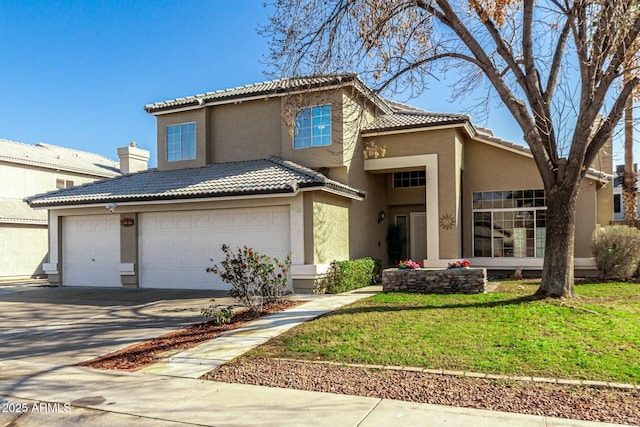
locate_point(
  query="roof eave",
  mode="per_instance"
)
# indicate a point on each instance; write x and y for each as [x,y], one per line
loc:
[354,194]
[342,81]
[351,193]
[414,128]
[168,198]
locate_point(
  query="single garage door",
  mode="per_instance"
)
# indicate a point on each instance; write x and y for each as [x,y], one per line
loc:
[91,250]
[177,247]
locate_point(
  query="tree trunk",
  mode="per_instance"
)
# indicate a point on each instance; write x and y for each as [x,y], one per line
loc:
[557,272]
[629,190]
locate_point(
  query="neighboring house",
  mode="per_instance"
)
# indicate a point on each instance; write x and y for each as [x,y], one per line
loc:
[26,170]
[313,166]
[618,208]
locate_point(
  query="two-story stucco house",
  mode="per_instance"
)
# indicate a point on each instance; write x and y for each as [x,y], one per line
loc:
[318,167]
[26,170]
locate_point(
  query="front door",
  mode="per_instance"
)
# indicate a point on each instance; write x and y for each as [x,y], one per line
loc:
[418,230]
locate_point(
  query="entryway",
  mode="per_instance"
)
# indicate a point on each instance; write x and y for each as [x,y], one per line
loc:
[413,227]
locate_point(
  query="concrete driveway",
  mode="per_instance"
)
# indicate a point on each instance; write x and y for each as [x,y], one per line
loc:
[65,326]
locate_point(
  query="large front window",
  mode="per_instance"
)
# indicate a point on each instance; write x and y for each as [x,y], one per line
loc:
[181,142]
[313,127]
[509,223]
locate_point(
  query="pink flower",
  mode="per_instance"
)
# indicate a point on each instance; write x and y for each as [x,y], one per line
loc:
[409,264]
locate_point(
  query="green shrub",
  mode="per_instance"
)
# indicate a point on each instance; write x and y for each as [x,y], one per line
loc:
[345,276]
[219,314]
[617,251]
[254,278]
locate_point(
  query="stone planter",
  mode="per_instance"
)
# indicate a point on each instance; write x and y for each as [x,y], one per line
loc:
[425,281]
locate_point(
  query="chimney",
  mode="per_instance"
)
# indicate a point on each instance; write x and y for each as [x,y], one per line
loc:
[133,159]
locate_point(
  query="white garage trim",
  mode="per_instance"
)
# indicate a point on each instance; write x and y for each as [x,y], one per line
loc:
[91,250]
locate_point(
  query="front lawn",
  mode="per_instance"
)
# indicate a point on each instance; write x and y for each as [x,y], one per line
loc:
[594,337]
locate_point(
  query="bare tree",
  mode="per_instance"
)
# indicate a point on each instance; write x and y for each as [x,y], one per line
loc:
[529,53]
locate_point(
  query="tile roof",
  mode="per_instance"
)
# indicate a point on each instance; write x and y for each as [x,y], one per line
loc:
[408,117]
[268,176]
[18,211]
[60,158]
[269,88]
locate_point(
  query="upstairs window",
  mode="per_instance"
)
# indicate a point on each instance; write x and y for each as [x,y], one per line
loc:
[409,179]
[313,127]
[64,183]
[181,142]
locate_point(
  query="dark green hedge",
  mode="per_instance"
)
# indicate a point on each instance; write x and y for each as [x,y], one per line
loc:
[348,275]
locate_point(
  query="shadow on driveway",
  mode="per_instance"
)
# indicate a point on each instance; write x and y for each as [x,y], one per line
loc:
[68,325]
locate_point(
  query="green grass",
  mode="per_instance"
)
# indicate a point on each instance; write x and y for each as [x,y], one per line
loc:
[595,336]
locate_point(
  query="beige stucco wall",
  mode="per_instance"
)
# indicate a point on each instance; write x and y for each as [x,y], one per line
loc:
[245,131]
[586,218]
[23,248]
[28,180]
[258,128]
[202,151]
[315,157]
[604,193]
[489,168]
[405,196]
[446,144]
[326,228]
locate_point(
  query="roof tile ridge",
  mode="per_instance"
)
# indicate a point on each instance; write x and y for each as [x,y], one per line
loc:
[432,113]
[298,168]
[256,84]
[19,199]
[319,177]
[17,142]
[75,150]
[85,185]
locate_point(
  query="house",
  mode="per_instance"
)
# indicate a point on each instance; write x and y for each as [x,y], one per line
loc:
[33,169]
[318,167]
[618,207]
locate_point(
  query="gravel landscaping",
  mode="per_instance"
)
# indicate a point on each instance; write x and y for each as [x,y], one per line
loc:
[553,400]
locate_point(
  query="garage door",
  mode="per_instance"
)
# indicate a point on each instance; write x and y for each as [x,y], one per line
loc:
[91,250]
[177,247]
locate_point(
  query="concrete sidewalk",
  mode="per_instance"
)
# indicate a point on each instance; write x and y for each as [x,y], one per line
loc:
[199,360]
[101,398]
[166,394]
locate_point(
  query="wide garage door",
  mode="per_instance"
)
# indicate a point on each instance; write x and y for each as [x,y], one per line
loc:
[91,250]
[177,247]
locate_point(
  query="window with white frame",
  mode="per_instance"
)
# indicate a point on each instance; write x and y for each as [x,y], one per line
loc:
[509,223]
[181,142]
[313,127]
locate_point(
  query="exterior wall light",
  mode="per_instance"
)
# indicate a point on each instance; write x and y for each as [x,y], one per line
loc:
[381,216]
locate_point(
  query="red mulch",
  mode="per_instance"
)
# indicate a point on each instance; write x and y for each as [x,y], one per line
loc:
[146,353]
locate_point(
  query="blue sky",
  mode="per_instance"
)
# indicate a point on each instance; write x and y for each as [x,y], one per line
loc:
[78,73]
